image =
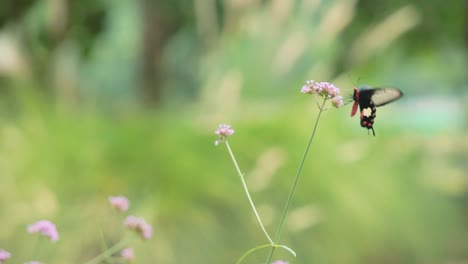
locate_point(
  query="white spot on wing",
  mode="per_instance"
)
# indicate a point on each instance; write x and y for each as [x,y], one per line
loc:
[367,111]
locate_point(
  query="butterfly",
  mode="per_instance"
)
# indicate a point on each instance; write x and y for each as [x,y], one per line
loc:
[369,99]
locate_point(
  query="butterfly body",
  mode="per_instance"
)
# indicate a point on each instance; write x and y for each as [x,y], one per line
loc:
[368,99]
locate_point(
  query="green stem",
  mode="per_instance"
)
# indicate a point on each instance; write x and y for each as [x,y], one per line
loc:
[293,187]
[106,254]
[252,250]
[244,184]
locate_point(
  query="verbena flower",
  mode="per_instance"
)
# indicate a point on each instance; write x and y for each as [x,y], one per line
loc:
[4,255]
[280,262]
[127,254]
[324,89]
[45,227]
[337,101]
[139,225]
[120,203]
[223,131]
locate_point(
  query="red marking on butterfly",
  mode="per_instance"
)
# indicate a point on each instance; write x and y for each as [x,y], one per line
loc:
[356,102]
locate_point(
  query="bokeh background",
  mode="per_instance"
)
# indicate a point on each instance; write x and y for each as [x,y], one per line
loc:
[110,97]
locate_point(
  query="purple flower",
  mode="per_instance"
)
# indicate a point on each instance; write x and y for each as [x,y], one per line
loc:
[33,262]
[127,254]
[46,228]
[280,262]
[337,101]
[4,255]
[324,89]
[223,131]
[139,225]
[120,203]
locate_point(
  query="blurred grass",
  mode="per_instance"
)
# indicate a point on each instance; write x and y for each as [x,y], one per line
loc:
[361,199]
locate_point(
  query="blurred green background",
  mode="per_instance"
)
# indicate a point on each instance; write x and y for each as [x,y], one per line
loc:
[113,97]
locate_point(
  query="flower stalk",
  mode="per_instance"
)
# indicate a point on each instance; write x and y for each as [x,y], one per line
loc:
[247,193]
[294,185]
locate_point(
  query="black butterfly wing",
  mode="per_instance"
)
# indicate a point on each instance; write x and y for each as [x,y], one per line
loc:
[367,109]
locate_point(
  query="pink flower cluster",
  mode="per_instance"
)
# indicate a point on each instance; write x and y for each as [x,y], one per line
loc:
[223,131]
[45,227]
[4,255]
[280,262]
[120,203]
[139,225]
[324,89]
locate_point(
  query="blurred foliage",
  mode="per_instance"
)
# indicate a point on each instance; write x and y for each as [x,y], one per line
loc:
[104,97]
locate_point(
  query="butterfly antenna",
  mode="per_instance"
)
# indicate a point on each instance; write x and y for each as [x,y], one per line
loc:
[348,100]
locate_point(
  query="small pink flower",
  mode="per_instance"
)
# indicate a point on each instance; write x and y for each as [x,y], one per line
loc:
[280,262]
[120,203]
[4,255]
[139,225]
[131,222]
[127,254]
[306,89]
[337,101]
[324,89]
[223,131]
[310,87]
[46,228]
